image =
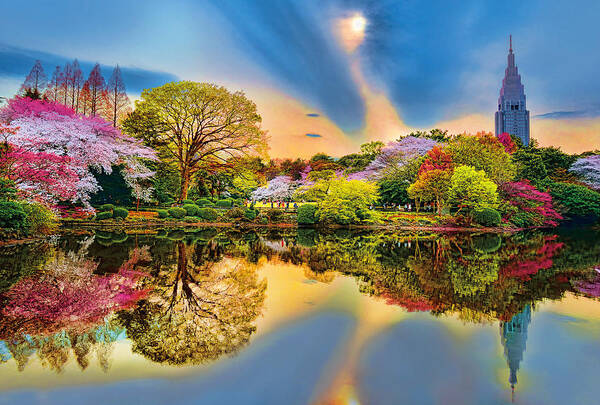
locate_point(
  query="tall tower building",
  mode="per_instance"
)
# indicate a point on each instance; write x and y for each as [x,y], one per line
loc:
[512,115]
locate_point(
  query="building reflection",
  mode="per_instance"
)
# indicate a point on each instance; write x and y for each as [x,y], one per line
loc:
[513,336]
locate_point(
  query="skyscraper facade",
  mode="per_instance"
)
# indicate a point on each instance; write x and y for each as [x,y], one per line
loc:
[512,115]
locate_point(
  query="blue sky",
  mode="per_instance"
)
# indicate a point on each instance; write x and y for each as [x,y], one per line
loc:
[433,60]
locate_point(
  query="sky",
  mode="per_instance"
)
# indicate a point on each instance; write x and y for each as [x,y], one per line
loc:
[328,75]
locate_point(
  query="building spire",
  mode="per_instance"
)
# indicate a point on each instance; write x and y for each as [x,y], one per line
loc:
[510,48]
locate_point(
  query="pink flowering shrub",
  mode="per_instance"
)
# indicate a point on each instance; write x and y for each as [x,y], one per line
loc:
[523,198]
[506,141]
[522,269]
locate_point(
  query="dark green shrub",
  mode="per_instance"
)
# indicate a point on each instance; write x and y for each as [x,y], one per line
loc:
[204,202]
[120,213]
[191,210]
[306,214]
[177,212]
[575,200]
[12,216]
[208,214]
[176,235]
[487,243]
[306,237]
[487,217]
[40,219]
[225,203]
[190,219]
[106,208]
[163,213]
[187,202]
[235,213]
[250,214]
[103,215]
[275,215]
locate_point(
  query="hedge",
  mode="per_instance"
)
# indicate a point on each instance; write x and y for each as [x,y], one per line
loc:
[106,207]
[191,210]
[226,203]
[275,215]
[120,213]
[177,212]
[487,217]
[306,214]
[103,215]
[184,202]
[12,216]
[162,213]
[208,214]
[203,202]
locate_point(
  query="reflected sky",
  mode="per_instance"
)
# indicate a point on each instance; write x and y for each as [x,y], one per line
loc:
[323,337]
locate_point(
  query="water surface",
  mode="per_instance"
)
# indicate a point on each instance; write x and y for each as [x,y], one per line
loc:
[219,316]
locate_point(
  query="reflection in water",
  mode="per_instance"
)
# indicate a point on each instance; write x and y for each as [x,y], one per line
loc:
[513,336]
[202,308]
[186,297]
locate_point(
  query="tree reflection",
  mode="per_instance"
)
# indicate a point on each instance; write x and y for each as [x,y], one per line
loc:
[203,308]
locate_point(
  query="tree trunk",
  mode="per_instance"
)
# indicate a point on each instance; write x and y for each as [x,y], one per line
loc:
[185,184]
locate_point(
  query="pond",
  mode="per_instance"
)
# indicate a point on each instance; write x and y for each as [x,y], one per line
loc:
[286,316]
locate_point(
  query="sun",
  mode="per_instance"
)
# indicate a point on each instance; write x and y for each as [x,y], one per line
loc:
[358,23]
[350,30]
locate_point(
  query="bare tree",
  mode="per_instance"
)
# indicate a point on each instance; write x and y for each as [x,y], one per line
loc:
[97,88]
[117,100]
[53,91]
[36,80]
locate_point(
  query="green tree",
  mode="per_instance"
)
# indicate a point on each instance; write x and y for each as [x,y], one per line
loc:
[347,201]
[432,185]
[530,166]
[471,188]
[195,123]
[483,152]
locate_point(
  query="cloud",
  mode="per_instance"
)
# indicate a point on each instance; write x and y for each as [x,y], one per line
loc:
[314,135]
[555,115]
[312,115]
[16,63]
[294,44]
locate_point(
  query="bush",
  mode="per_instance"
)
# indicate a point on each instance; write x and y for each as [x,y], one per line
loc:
[204,202]
[106,208]
[103,215]
[235,213]
[191,210]
[177,212]
[306,214]
[12,216]
[250,214]
[487,217]
[40,219]
[190,219]
[337,211]
[186,201]
[120,213]
[275,215]
[575,200]
[162,213]
[208,214]
[226,203]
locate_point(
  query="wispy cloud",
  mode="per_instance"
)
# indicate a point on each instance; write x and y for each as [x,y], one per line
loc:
[314,135]
[16,63]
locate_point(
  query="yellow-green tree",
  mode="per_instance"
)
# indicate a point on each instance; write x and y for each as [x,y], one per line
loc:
[432,185]
[471,188]
[483,152]
[200,123]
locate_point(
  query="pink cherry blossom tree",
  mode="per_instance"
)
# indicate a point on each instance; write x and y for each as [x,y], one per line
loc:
[83,143]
